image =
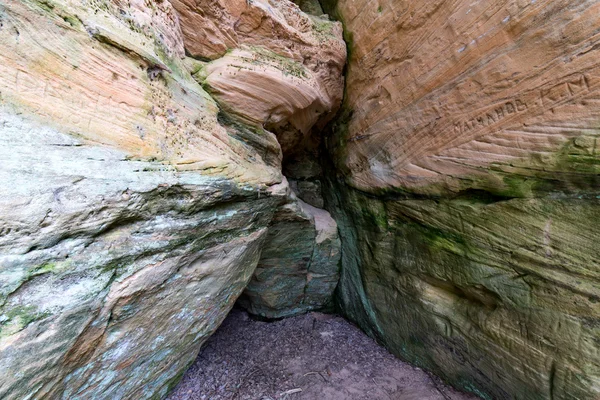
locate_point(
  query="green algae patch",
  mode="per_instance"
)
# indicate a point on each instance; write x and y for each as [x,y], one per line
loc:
[55,9]
[286,65]
[323,28]
[42,269]
[18,318]
[444,241]
[450,279]
[572,170]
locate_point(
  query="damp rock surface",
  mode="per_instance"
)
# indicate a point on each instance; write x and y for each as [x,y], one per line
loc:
[313,356]
[465,179]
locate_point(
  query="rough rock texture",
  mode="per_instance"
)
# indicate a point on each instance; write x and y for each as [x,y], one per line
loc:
[312,7]
[211,28]
[108,78]
[271,66]
[133,212]
[113,271]
[299,265]
[274,66]
[265,89]
[467,188]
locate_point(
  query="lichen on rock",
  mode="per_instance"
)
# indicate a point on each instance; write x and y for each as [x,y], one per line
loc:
[134,210]
[465,169]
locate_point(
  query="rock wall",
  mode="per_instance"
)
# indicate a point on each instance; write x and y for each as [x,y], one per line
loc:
[143,144]
[271,67]
[298,270]
[135,208]
[466,189]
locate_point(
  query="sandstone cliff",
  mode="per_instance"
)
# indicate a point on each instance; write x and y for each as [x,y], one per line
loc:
[467,189]
[137,201]
[144,148]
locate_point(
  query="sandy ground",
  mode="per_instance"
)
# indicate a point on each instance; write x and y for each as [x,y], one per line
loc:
[311,357]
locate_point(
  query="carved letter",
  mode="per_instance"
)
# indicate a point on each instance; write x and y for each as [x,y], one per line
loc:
[521,106]
[510,107]
[500,113]
[577,86]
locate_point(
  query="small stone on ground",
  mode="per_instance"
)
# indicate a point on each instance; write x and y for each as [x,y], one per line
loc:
[312,357]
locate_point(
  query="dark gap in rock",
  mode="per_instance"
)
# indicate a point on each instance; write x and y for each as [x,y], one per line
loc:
[312,7]
[480,196]
[299,265]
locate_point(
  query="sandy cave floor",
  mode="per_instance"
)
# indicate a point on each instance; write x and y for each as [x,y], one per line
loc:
[312,357]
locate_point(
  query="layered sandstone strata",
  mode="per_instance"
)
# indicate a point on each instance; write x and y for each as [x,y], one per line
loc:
[467,146]
[272,68]
[133,213]
[271,64]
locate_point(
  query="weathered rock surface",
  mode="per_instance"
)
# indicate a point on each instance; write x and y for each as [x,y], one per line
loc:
[460,96]
[211,28]
[113,271]
[274,66]
[133,213]
[298,269]
[108,78]
[468,185]
[264,89]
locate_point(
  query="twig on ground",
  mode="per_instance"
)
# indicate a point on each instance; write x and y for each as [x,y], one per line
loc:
[316,373]
[291,391]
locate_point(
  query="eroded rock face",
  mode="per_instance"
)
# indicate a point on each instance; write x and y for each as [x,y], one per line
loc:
[273,68]
[457,97]
[112,80]
[114,271]
[274,65]
[262,88]
[298,270]
[133,214]
[467,152]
